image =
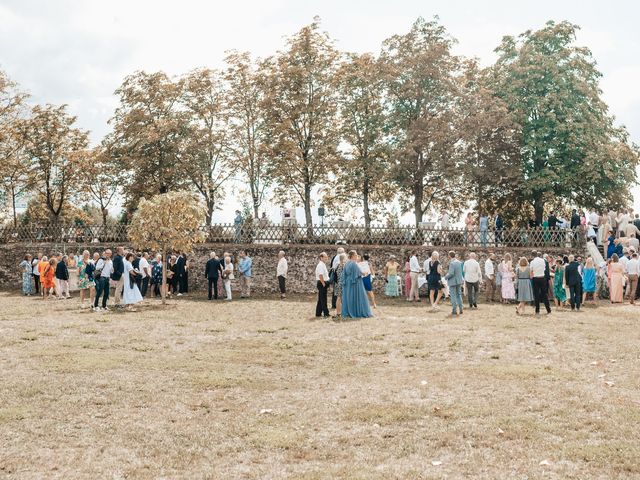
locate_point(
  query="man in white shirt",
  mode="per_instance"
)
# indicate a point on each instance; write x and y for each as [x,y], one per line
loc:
[104,268]
[538,268]
[36,272]
[145,273]
[322,279]
[631,230]
[633,270]
[490,277]
[624,259]
[623,221]
[281,273]
[472,275]
[414,266]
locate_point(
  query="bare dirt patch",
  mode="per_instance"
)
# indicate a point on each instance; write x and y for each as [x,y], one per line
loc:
[258,389]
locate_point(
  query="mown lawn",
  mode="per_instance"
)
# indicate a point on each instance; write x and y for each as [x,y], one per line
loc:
[259,389]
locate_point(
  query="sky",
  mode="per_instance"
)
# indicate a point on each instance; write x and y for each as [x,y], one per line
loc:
[78,52]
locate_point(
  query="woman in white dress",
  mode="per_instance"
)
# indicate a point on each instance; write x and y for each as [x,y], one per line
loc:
[227,276]
[130,293]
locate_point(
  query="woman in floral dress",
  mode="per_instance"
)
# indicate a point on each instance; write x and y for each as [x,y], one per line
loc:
[27,275]
[85,281]
[506,271]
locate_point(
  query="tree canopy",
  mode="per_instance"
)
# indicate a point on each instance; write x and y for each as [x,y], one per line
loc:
[413,129]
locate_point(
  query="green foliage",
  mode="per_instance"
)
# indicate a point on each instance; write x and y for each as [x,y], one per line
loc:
[569,147]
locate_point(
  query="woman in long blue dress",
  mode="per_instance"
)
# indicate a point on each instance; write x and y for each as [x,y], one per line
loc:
[589,281]
[355,303]
[27,274]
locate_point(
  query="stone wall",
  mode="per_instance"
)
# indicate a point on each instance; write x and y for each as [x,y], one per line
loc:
[302,261]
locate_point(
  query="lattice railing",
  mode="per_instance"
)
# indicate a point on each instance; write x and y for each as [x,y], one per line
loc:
[316,235]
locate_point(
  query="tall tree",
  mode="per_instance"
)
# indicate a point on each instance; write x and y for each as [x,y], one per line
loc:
[422,83]
[53,147]
[362,175]
[489,147]
[302,114]
[569,146]
[100,177]
[207,147]
[248,130]
[14,168]
[149,128]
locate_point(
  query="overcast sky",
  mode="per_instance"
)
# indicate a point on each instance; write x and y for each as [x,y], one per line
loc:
[78,52]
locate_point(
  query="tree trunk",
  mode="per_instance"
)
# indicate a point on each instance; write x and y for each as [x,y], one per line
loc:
[254,199]
[418,197]
[365,206]
[13,204]
[538,207]
[210,209]
[164,275]
[105,214]
[307,210]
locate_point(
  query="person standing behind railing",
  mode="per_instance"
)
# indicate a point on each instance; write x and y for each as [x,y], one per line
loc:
[484,228]
[499,226]
[237,223]
[469,225]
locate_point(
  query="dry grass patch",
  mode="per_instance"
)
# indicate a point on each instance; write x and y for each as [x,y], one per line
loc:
[255,389]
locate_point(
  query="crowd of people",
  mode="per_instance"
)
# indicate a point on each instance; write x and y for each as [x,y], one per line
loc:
[567,281]
[131,276]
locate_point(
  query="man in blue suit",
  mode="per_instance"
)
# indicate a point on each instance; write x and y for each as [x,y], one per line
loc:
[454,280]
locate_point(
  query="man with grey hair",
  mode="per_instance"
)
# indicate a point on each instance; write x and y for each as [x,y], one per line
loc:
[538,268]
[212,272]
[281,273]
[472,275]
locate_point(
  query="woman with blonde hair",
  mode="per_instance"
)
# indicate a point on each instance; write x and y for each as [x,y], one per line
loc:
[434,279]
[506,271]
[342,260]
[525,290]
[589,281]
[391,275]
[616,279]
[227,276]
[85,278]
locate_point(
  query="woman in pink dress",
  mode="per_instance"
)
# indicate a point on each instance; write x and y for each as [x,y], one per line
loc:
[407,279]
[616,277]
[506,271]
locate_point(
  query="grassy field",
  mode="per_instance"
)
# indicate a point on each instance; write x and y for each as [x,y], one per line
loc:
[259,389]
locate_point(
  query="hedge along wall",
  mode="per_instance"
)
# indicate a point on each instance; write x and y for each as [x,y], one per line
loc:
[302,261]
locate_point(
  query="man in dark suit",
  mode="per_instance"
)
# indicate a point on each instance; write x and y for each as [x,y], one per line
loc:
[180,271]
[212,271]
[552,222]
[499,225]
[573,280]
[575,224]
[116,274]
